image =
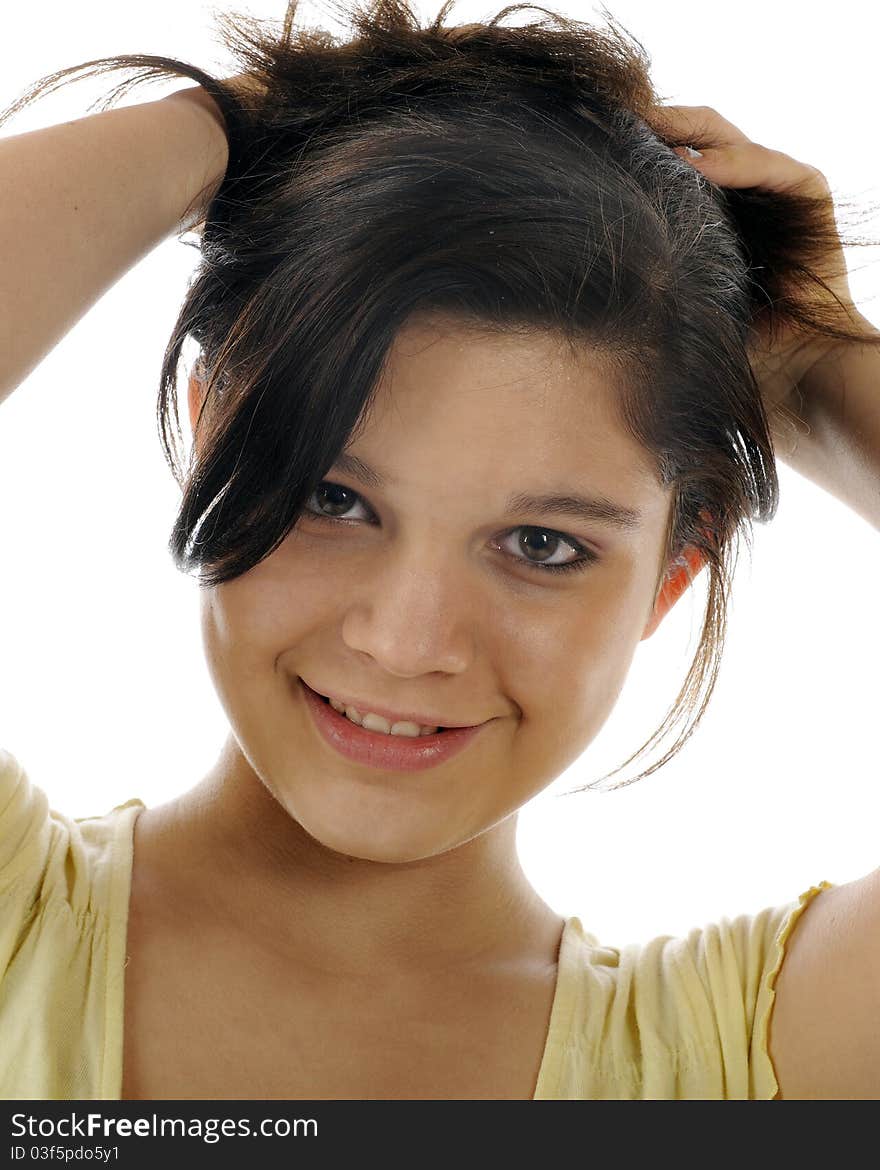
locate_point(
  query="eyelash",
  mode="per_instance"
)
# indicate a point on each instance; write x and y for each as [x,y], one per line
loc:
[587,556]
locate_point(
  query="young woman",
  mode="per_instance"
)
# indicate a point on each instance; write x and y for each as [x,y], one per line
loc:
[491,366]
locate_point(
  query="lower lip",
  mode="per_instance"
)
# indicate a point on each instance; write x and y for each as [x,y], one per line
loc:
[390,753]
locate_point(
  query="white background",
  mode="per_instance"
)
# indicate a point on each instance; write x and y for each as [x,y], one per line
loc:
[104,693]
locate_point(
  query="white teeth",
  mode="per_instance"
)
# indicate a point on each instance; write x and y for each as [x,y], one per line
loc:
[411,729]
[378,723]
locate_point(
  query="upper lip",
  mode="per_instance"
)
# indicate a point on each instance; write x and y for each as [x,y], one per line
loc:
[392,716]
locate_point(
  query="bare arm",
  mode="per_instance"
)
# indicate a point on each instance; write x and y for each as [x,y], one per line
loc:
[823,1035]
[83,201]
[842,451]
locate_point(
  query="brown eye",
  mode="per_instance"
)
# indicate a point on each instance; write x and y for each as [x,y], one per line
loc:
[538,541]
[543,546]
[333,501]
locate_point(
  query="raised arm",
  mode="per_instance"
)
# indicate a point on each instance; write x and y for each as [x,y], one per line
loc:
[842,408]
[83,201]
[822,398]
[823,1037]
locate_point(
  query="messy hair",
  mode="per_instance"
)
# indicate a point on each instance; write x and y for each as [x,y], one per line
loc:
[508,178]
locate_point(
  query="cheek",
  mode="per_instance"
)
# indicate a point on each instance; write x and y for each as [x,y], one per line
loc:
[266,609]
[567,658]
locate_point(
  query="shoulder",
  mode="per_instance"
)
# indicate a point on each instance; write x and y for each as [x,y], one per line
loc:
[46,854]
[681,1017]
[24,815]
[63,891]
[823,1036]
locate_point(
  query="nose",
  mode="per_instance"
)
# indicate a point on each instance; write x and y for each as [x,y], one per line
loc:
[413,616]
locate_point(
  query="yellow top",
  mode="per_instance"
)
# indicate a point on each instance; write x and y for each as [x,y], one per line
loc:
[676,1018]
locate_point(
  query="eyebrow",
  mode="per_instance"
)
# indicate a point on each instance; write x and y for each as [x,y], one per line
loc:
[595,509]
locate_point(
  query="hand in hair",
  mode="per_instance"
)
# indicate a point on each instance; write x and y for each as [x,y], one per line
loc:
[781,352]
[248,91]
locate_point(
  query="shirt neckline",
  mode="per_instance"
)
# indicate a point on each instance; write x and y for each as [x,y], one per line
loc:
[119,904]
[561,1008]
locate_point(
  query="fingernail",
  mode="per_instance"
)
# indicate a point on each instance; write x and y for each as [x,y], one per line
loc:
[688,152]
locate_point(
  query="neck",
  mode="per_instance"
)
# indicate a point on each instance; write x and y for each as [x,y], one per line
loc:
[240,853]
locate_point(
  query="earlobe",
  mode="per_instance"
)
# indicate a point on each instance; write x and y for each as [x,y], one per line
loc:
[676,582]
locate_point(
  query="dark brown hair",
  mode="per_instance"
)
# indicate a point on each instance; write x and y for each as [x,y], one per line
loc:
[508,177]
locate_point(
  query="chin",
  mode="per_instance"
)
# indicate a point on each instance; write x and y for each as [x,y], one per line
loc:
[382,835]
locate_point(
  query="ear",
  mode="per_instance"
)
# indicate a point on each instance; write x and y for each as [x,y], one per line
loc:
[195,395]
[677,580]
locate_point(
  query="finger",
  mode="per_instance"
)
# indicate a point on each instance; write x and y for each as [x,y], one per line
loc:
[748,164]
[696,124]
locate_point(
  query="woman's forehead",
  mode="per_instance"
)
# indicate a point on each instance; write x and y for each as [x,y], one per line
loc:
[457,396]
[503,374]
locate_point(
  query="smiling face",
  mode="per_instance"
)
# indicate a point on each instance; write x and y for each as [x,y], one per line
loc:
[428,595]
